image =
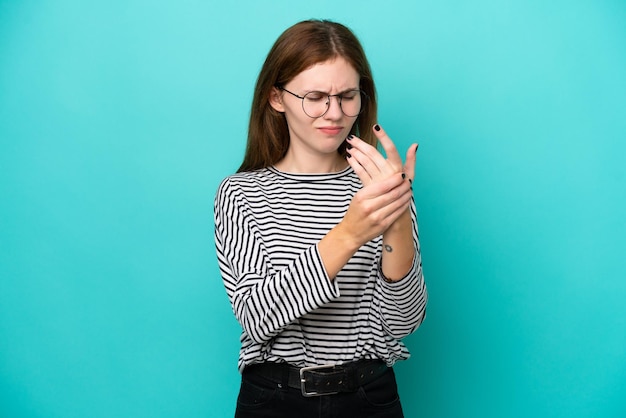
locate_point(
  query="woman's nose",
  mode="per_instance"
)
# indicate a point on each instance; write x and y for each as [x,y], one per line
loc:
[334,108]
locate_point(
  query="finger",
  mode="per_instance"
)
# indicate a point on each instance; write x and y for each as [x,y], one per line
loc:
[371,152]
[390,205]
[358,168]
[374,216]
[390,148]
[366,163]
[374,208]
[409,165]
[391,186]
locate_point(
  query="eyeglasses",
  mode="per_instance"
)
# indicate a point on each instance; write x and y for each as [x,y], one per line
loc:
[316,103]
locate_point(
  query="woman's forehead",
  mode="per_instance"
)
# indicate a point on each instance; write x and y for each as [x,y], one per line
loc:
[336,73]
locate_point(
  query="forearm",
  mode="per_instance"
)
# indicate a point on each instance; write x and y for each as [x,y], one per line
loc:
[398,249]
[265,302]
[404,301]
[336,249]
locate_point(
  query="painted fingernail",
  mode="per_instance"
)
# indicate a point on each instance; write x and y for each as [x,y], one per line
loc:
[348,154]
[377,127]
[403,176]
[348,146]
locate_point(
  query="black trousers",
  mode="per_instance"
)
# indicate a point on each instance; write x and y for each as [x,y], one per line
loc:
[259,397]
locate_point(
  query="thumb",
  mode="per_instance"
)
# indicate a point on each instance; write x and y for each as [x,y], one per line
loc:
[409,165]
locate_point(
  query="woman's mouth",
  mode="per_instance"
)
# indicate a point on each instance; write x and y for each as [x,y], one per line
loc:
[331,130]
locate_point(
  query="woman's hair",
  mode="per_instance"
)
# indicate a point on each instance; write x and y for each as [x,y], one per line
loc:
[298,48]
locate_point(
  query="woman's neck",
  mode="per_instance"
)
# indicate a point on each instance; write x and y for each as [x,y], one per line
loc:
[304,165]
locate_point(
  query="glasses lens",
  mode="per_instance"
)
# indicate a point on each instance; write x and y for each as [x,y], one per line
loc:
[352,102]
[316,103]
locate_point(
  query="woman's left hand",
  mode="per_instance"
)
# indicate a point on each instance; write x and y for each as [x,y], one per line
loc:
[371,166]
[374,169]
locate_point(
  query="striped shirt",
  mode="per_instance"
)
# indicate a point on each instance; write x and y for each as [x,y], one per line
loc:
[267,226]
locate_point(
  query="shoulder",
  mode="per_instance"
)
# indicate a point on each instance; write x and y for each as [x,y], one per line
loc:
[269,182]
[248,179]
[249,183]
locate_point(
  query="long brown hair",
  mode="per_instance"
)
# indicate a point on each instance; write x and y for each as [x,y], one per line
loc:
[300,47]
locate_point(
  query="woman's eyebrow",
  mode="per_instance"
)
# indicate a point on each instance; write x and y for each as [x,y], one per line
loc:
[327,93]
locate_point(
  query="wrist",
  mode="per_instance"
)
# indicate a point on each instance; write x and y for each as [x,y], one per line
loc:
[401,224]
[349,240]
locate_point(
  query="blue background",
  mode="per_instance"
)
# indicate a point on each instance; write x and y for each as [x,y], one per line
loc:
[119,118]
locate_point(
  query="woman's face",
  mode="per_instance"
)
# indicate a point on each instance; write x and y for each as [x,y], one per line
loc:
[317,136]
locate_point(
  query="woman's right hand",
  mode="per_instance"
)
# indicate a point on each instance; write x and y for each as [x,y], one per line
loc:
[384,198]
[375,207]
[372,210]
[386,194]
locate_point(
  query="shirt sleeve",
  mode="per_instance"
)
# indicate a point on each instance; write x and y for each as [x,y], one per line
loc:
[402,304]
[264,300]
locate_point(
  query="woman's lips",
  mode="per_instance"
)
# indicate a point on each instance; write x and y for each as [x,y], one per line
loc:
[331,130]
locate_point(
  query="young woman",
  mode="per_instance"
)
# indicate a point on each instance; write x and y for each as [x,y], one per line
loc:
[316,237]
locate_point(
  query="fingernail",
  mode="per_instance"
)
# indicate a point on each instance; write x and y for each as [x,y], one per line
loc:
[377,127]
[348,154]
[411,182]
[404,176]
[348,146]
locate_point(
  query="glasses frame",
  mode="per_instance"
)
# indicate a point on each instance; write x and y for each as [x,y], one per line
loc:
[339,97]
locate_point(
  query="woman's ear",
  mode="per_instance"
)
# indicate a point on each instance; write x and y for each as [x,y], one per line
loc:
[276,100]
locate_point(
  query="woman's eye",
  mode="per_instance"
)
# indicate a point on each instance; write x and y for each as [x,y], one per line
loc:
[351,95]
[315,96]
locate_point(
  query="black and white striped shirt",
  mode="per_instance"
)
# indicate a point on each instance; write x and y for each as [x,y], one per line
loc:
[267,226]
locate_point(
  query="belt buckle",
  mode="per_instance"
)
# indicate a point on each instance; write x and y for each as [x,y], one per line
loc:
[303,380]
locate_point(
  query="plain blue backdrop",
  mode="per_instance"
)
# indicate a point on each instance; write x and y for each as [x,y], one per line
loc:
[118,119]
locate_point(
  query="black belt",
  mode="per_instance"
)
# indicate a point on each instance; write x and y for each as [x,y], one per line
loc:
[321,380]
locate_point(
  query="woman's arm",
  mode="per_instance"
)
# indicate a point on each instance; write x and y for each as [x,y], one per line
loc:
[264,300]
[373,168]
[372,211]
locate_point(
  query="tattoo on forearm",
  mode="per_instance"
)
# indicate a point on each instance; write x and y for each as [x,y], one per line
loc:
[388,248]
